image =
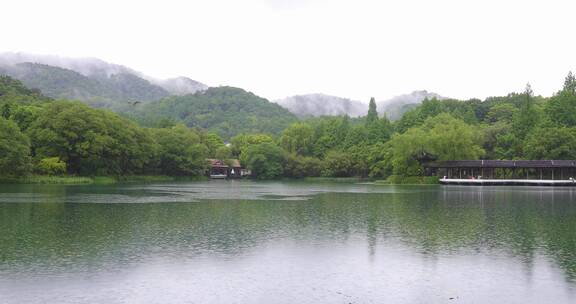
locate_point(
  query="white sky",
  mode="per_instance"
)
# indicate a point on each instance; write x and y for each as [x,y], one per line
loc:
[276,48]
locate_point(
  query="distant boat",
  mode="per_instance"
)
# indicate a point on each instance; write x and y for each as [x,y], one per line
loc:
[218,176]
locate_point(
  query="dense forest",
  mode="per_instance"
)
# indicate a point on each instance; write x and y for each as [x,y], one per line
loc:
[226,111]
[39,135]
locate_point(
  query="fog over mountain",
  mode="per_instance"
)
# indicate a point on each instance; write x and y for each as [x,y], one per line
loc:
[98,69]
[181,85]
[394,107]
[85,66]
[313,105]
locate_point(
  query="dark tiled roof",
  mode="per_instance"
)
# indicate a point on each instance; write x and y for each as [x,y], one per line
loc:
[234,163]
[502,164]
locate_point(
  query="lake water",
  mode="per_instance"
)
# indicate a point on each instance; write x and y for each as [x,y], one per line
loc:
[286,242]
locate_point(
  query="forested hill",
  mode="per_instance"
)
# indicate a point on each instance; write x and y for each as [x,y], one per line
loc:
[98,91]
[225,110]
[13,91]
[93,81]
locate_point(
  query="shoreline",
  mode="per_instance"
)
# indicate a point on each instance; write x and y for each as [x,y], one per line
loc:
[92,180]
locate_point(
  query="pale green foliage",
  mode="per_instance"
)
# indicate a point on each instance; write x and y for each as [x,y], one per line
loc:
[51,166]
[223,152]
[298,138]
[241,142]
[213,143]
[452,139]
[442,137]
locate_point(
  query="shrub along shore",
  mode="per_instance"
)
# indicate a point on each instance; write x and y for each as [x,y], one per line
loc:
[83,180]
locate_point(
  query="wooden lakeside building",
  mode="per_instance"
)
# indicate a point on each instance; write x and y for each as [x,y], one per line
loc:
[221,169]
[504,172]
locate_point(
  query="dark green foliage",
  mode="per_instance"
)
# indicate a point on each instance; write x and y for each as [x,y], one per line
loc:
[464,110]
[570,84]
[265,160]
[561,109]
[527,118]
[551,143]
[226,111]
[14,150]
[337,164]
[301,166]
[12,88]
[91,142]
[180,151]
[372,115]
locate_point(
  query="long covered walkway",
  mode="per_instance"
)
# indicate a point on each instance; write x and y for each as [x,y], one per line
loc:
[503,169]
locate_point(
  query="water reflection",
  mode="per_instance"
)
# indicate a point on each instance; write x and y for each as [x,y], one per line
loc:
[307,242]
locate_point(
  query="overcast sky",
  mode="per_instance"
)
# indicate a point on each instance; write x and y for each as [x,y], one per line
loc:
[276,48]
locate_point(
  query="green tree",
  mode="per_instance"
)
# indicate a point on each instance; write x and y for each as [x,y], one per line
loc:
[51,166]
[442,137]
[213,142]
[561,109]
[570,84]
[372,112]
[180,151]
[298,166]
[241,142]
[504,112]
[14,150]
[337,164]
[264,160]
[551,143]
[450,138]
[298,138]
[90,141]
[223,152]
[527,117]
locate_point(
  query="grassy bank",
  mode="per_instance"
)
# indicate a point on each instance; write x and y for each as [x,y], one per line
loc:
[408,180]
[336,179]
[98,180]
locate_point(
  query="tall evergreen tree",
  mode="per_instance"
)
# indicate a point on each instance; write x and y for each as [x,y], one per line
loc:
[372,112]
[525,120]
[570,83]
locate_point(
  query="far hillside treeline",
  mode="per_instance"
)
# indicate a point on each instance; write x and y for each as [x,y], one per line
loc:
[39,135]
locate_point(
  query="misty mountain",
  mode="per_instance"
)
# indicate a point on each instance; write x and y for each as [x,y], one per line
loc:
[99,91]
[313,105]
[85,66]
[91,80]
[181,85]
[395,107]
[225,110]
